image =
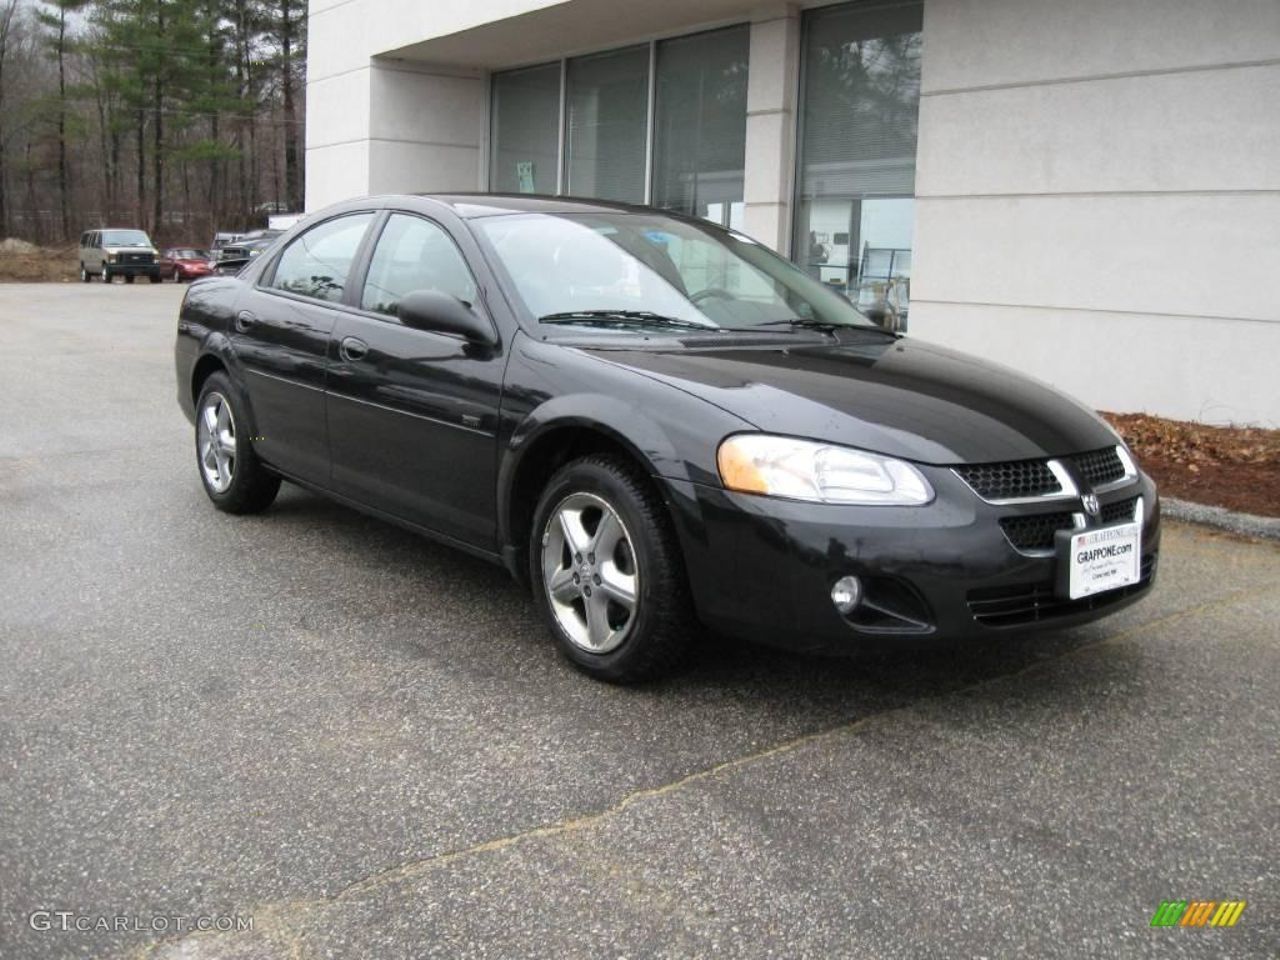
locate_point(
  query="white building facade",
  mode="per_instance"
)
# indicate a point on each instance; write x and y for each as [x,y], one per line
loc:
[1088,191]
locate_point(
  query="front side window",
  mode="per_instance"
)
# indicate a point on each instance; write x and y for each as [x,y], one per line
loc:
[317,263]
[637,269]
[414,254]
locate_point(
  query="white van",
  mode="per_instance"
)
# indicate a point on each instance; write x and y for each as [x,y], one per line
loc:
[118,253]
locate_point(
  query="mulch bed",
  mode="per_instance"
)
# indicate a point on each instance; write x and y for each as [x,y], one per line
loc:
[1233,467]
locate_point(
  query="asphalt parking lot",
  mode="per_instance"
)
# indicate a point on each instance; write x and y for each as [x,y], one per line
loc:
[365,742]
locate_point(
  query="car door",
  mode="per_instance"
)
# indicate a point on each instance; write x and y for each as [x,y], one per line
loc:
[282,328]
[93,256]
[413,414]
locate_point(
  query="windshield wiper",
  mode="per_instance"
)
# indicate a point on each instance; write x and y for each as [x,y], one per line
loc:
[812,323]
[634,318]
[808,323]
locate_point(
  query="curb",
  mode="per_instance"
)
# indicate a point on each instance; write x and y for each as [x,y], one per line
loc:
[1246,524]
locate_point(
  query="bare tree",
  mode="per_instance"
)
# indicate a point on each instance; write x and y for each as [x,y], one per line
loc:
[7,10]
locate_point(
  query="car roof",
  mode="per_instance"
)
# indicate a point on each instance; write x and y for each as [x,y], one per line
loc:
[472,205]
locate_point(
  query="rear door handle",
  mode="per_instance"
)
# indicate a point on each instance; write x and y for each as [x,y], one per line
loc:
[245,320]
[351,349]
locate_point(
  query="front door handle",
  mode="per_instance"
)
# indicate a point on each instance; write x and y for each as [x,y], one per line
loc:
[351,349]
[245,320]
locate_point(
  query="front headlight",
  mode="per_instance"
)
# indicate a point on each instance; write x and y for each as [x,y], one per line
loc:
[820,472]
[111,257]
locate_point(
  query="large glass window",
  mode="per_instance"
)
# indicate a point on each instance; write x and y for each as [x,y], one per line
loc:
[700,121]
[856,180]
[414,254]
[691,160]
[525,130]
[607,111]
[317,263]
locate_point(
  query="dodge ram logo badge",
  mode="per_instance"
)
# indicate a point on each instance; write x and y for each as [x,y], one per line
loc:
[1090,504]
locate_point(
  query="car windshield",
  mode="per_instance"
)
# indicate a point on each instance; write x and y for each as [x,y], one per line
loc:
[189,253]
[125,238]
[637,270]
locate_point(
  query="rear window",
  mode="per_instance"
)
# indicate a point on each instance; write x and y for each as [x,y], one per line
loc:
[316,264]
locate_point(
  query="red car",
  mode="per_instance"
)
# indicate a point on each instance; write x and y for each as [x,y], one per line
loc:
[185,263]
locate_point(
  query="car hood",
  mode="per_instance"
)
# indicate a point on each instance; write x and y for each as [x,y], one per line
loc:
[901,397]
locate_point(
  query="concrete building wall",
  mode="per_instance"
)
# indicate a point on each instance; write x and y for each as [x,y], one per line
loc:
[1098,198]
[1098,181]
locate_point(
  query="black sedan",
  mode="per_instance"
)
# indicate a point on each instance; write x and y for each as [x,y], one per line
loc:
[656,423]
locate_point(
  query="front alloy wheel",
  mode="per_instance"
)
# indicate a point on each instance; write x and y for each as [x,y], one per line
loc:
[607,570]
[589,571]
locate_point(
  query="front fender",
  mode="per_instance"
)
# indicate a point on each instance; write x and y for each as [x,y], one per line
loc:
[672,434]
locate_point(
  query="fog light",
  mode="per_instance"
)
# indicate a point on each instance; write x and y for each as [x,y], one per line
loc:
[846,593]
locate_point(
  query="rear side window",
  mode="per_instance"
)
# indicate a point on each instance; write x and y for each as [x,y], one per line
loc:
[414,254]
[318,263]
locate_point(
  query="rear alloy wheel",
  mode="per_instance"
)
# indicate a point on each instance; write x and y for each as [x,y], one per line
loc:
[607,571]
[84,274]
[233,477]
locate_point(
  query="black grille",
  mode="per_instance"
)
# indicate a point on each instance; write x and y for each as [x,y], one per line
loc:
[1119,512]
[1034,531]
[1012,480]
[1035,603]
[1099,466]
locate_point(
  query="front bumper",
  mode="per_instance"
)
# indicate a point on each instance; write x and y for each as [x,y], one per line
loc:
[762,568]
[133,269]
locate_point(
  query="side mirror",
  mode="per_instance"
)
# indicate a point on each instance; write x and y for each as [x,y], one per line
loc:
[442,313]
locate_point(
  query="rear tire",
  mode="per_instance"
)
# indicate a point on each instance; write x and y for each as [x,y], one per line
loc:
[106,275]
[231,473]
[177,277]
[607,571]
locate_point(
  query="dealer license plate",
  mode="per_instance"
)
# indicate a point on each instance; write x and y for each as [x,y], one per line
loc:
[1102,559]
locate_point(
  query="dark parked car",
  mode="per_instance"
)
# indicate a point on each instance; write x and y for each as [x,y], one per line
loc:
[655,421]
[185,263]
[233,256]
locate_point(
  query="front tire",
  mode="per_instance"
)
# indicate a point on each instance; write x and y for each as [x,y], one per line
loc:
[106,275]
[607,572]
[231,473]
[177,277]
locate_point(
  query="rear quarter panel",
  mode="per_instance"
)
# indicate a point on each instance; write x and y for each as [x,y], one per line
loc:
[204,324]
